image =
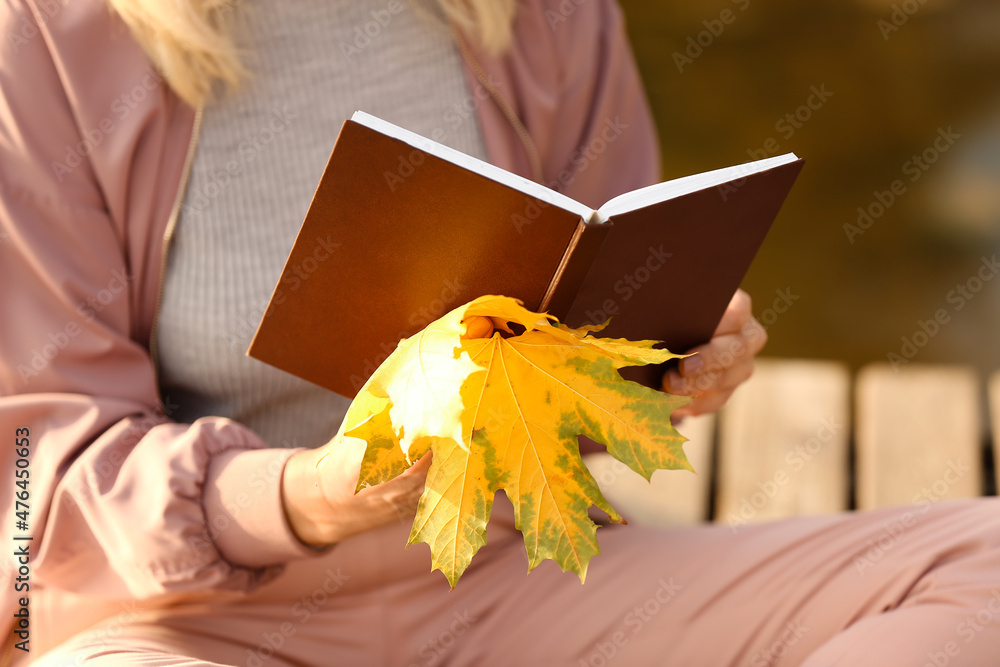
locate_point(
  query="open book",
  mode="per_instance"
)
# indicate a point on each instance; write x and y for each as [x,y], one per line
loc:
[403,229]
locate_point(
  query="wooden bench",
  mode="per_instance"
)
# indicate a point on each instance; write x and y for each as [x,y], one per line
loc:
[802,438]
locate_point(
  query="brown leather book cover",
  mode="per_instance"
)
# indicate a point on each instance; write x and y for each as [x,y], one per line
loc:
[395,237]
[667,271]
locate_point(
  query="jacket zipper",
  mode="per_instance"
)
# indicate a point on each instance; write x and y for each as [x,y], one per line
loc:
[168,234]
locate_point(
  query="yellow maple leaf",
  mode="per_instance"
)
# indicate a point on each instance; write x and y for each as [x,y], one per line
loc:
[419,384]
[383,458]
[522,416]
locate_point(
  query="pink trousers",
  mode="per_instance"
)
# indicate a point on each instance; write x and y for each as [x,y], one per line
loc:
[910,586]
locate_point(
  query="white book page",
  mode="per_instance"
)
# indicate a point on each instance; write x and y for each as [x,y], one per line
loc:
[653,194]
[476,165]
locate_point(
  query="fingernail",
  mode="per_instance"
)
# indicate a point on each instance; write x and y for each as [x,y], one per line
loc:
[692,365]
[675,382]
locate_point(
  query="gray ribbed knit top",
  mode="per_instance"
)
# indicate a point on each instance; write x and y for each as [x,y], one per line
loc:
[260,154]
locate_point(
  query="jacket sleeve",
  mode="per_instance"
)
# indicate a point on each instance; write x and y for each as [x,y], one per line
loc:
[123,502]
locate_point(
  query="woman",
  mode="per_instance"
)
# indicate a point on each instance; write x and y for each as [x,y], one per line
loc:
[173,511]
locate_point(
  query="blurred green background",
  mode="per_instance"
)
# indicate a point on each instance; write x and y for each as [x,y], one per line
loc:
[891,88]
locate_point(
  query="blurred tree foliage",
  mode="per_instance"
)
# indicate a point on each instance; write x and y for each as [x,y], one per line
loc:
[896,77]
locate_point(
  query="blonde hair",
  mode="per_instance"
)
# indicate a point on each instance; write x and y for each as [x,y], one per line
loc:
[189,43]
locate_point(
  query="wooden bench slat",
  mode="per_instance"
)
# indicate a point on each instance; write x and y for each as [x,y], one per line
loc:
[671,497]
[918,434]
[994,394]
[783,443]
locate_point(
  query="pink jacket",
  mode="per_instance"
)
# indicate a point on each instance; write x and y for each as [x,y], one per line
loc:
[94,151]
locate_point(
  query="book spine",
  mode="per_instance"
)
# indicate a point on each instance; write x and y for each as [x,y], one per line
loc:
[576,262]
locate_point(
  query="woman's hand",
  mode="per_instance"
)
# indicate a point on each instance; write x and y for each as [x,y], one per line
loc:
[722,364]
[320,502]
